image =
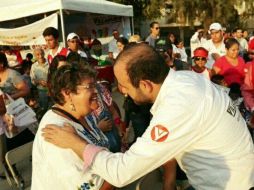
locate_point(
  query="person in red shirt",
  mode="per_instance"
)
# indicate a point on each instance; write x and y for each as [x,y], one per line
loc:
[51,36]
[248,85]
[231,66]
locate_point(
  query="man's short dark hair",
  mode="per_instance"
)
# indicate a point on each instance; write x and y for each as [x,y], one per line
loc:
[143,63]
[51,31]
[238,28]
[152,24]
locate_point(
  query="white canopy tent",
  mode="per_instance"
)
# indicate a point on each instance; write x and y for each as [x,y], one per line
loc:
[14,9]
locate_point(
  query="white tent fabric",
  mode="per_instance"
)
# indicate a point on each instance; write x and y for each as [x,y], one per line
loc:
[14,9]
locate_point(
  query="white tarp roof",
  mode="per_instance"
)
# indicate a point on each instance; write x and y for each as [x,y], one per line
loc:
[14,9]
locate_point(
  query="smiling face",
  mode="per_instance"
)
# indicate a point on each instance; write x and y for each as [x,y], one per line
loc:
[39,55]
[85,100]
[233,51]
[200,62]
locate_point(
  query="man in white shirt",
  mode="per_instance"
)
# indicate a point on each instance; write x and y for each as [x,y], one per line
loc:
[207,135]
[73,41]
[197,40]
[242,41]
[112,47]
[215,46]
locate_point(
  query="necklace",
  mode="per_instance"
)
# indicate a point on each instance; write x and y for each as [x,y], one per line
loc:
[93,135]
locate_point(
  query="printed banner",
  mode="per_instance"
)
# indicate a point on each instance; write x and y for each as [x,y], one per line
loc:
[28,35]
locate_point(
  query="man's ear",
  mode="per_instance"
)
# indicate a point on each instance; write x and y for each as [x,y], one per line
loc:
[146,85]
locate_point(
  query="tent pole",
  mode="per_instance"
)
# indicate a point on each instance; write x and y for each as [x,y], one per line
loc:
[62,26]
[132,24]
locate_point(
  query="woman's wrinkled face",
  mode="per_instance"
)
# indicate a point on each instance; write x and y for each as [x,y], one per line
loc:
[85,100]
[233,51]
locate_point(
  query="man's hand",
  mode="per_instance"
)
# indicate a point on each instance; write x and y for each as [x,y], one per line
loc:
[200,30]
[64,137]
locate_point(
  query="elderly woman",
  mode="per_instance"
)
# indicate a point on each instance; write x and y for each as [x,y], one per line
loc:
[73,91]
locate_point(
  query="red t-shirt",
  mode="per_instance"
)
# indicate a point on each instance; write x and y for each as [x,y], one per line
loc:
[232,74]
[60,51]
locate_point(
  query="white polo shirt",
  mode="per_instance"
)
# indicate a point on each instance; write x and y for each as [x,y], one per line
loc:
[195,123]
[210,47]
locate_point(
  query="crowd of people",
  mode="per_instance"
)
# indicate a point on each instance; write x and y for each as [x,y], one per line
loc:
[158,79]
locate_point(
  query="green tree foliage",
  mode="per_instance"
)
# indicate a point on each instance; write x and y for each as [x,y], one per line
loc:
[178,11]
[144,9]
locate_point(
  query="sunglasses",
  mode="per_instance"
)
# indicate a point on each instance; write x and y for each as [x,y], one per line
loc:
[251,53]
[157,28]
[199,59]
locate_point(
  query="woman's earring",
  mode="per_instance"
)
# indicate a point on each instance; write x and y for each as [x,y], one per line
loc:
[72,106]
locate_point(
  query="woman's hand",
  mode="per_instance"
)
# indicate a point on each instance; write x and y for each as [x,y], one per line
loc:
[105,125]
[9,120]
[64,137]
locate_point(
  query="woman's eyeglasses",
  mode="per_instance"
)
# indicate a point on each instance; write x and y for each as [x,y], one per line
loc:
[199,59]
[88,86]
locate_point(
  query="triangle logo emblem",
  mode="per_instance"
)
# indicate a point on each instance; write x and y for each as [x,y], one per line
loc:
[159,133]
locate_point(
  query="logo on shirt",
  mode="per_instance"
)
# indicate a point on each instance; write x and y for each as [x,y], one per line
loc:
[231,109]
[159,133]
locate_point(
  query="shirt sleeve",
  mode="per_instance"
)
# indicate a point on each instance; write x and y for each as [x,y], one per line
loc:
[194,38]
[219,63]
[172,129]
[16,77]
[111,46]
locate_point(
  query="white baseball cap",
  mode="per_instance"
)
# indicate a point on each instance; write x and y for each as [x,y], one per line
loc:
[71,36]
[215,26]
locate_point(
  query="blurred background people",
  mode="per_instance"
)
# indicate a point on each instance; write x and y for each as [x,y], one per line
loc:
[215,46]
[73,41]
[154,33]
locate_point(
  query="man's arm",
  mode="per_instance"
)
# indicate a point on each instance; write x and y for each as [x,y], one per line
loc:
[168,134]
